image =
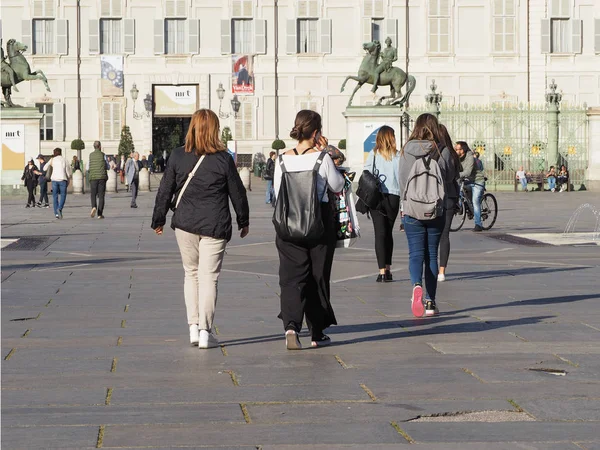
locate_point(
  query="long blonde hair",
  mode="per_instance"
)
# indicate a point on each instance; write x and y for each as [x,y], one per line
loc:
[385,143]
[203,134]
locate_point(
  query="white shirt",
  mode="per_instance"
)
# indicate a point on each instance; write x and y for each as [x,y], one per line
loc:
[61,171]
[328,173]
[521,174]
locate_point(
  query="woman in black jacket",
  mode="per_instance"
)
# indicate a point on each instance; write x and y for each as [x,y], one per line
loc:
[30,178]
[202,221]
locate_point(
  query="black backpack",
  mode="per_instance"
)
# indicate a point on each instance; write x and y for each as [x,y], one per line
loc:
[297,216]
[369,189]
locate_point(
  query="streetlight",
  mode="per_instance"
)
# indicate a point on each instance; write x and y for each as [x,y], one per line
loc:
[147,103]
[235,103]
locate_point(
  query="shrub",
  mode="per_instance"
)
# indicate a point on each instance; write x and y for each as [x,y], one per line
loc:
[278,144]
[77,144]
[342,144]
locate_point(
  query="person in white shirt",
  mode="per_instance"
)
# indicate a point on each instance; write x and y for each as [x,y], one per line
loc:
[522,177]
[305,268]
[61,173]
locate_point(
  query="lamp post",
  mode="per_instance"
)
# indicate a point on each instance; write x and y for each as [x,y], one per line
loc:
[235,103]
[147,103]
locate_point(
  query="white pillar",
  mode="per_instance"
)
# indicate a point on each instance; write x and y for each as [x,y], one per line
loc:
[144,180]
[78,182]
[245,176]
[593,171]
[111,183]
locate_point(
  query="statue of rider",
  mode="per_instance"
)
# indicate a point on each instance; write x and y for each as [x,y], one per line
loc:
[7,69]
[388,56]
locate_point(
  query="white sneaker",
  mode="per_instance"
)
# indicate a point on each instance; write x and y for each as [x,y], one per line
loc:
[193,335]
[93,213]
[207,340]
[441,277]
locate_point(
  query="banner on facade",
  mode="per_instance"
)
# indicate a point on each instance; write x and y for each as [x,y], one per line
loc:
[13,146]
[370,136]
[242,79]
[172,100]
[111,84]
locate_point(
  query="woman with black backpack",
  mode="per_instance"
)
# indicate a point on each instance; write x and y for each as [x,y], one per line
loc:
[305,231]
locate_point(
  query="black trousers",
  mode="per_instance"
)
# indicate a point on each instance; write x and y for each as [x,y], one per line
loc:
[31,184]
[304,274]
[383,223]
[134,187]
[44,191]
[445,238]
[98,189]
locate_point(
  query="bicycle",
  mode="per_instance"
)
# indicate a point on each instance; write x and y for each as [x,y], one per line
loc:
[464,208]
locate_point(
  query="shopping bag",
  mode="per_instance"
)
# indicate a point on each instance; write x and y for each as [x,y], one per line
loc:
[346,221]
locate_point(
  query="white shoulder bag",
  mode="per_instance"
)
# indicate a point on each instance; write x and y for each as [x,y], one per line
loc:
[189,178]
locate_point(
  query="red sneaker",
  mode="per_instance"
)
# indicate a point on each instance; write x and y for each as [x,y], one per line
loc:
[417,306]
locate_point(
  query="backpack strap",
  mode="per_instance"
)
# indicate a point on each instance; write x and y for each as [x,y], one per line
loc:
[281,163]
[189,178]
[319,161]
[295,151]
[427,161]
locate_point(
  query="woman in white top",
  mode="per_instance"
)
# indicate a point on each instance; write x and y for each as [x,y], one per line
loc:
[305,268]
[61,172]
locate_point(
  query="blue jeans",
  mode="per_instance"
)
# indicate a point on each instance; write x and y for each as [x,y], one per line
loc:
[524,183]
[423,238]
[477,194]
[59,188]
[551,183]
[269,193]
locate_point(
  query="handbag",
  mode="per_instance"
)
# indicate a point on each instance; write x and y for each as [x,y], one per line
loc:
[346,221]
[369,189]
[187,182]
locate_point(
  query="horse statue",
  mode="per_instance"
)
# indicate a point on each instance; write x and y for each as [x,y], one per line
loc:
[394,77]
[16,70]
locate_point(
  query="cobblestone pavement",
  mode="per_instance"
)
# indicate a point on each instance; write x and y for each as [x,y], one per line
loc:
[95,346]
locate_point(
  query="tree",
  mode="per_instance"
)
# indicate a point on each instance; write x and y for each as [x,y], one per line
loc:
[126,146]
[342,144]
[226,135]
[277,145]
[77,144]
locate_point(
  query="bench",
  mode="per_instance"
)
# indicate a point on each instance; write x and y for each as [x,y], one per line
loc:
[539,178]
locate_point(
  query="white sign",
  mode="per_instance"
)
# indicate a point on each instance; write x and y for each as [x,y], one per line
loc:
[13,146]
[175,100]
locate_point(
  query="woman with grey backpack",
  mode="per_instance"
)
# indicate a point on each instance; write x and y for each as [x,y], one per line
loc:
[423,173]
[306,238]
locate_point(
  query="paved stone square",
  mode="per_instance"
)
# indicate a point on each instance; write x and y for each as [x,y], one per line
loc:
[95,348]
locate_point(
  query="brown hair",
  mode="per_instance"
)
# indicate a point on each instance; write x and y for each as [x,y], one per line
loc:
[272,153]
[426,129]
[306,123]
[203,134]
[385,143]
[447,141]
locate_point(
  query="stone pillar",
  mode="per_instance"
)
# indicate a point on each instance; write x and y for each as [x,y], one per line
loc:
[593,170]
[144,180]
[553,99]
[111,183]
[77,182]
[433,100]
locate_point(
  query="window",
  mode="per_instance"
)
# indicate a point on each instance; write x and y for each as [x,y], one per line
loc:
[111,121]
[373,8]
[307,36]
[561,36]
[439,26]
[46,124]
[504,26]
[241,36]
[244,122]
[377,30]
[174,36]
[560,8]
[110,36]
[43,37]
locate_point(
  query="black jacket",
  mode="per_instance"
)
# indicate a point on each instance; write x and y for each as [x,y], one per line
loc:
[269,169]
[204,206]
[29,176]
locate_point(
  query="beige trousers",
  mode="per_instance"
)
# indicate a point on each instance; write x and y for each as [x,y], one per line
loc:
[202,258]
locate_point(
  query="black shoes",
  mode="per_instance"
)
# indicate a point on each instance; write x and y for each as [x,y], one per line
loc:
[477,228]
[388,277]
[134,206]
[379,278]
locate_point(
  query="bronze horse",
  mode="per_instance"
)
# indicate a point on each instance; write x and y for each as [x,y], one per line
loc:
[395,78]
[20,68]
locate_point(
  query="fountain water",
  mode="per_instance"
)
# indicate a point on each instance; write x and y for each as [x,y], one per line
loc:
[575,217]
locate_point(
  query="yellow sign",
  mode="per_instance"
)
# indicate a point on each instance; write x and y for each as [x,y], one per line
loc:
[13,146]
[175,100]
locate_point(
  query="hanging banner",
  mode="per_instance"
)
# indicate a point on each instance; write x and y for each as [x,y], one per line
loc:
[13,146]
[111,84]
[242,79]
[172,100]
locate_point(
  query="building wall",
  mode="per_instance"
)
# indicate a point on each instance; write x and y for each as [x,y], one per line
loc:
[469,72]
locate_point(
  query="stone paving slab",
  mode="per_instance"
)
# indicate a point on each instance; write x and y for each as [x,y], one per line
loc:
[33,438]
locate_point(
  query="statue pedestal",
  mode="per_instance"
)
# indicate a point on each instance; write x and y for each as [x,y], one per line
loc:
[20,142]
[362,124]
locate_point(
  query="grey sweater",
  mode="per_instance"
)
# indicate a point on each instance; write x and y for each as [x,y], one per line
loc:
[417,149]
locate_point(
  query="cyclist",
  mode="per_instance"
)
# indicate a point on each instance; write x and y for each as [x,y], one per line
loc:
[473,171]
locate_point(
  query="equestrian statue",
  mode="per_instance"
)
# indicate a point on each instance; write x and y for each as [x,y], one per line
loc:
[377,69]
[16,69]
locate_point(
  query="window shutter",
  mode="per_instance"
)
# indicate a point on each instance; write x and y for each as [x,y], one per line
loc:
[129,36]
[181,8]
[170,8]
[509,32]
[248,120]
[378,8]
[116,120]
[26,34]
[444,35]
[444,6]
[117,8]
[509,7]
[546,37]
[367,30]
[576,36]
[94,37]
[597,35]
[236,8]
[58,118]
[247,8]
[225,36]
[325,35]
[106,121]
[307,8]
[391,30]
[43,8]
[260,36]
[368,8]
[313,8]
[302,6]
[159,36]
[193,36]
[62,36]
[291,40]
[111,8]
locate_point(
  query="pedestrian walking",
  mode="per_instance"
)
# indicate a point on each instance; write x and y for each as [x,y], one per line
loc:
[268,176]
[61,173]
[151,162]
[132,172]
[452,189]
[97,169]
[305,265]
[43,183]
[121,169]
[205,179]
[30,179]
[422,179]
[384,162]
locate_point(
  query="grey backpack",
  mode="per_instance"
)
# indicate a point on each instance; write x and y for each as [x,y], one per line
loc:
[424,193]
